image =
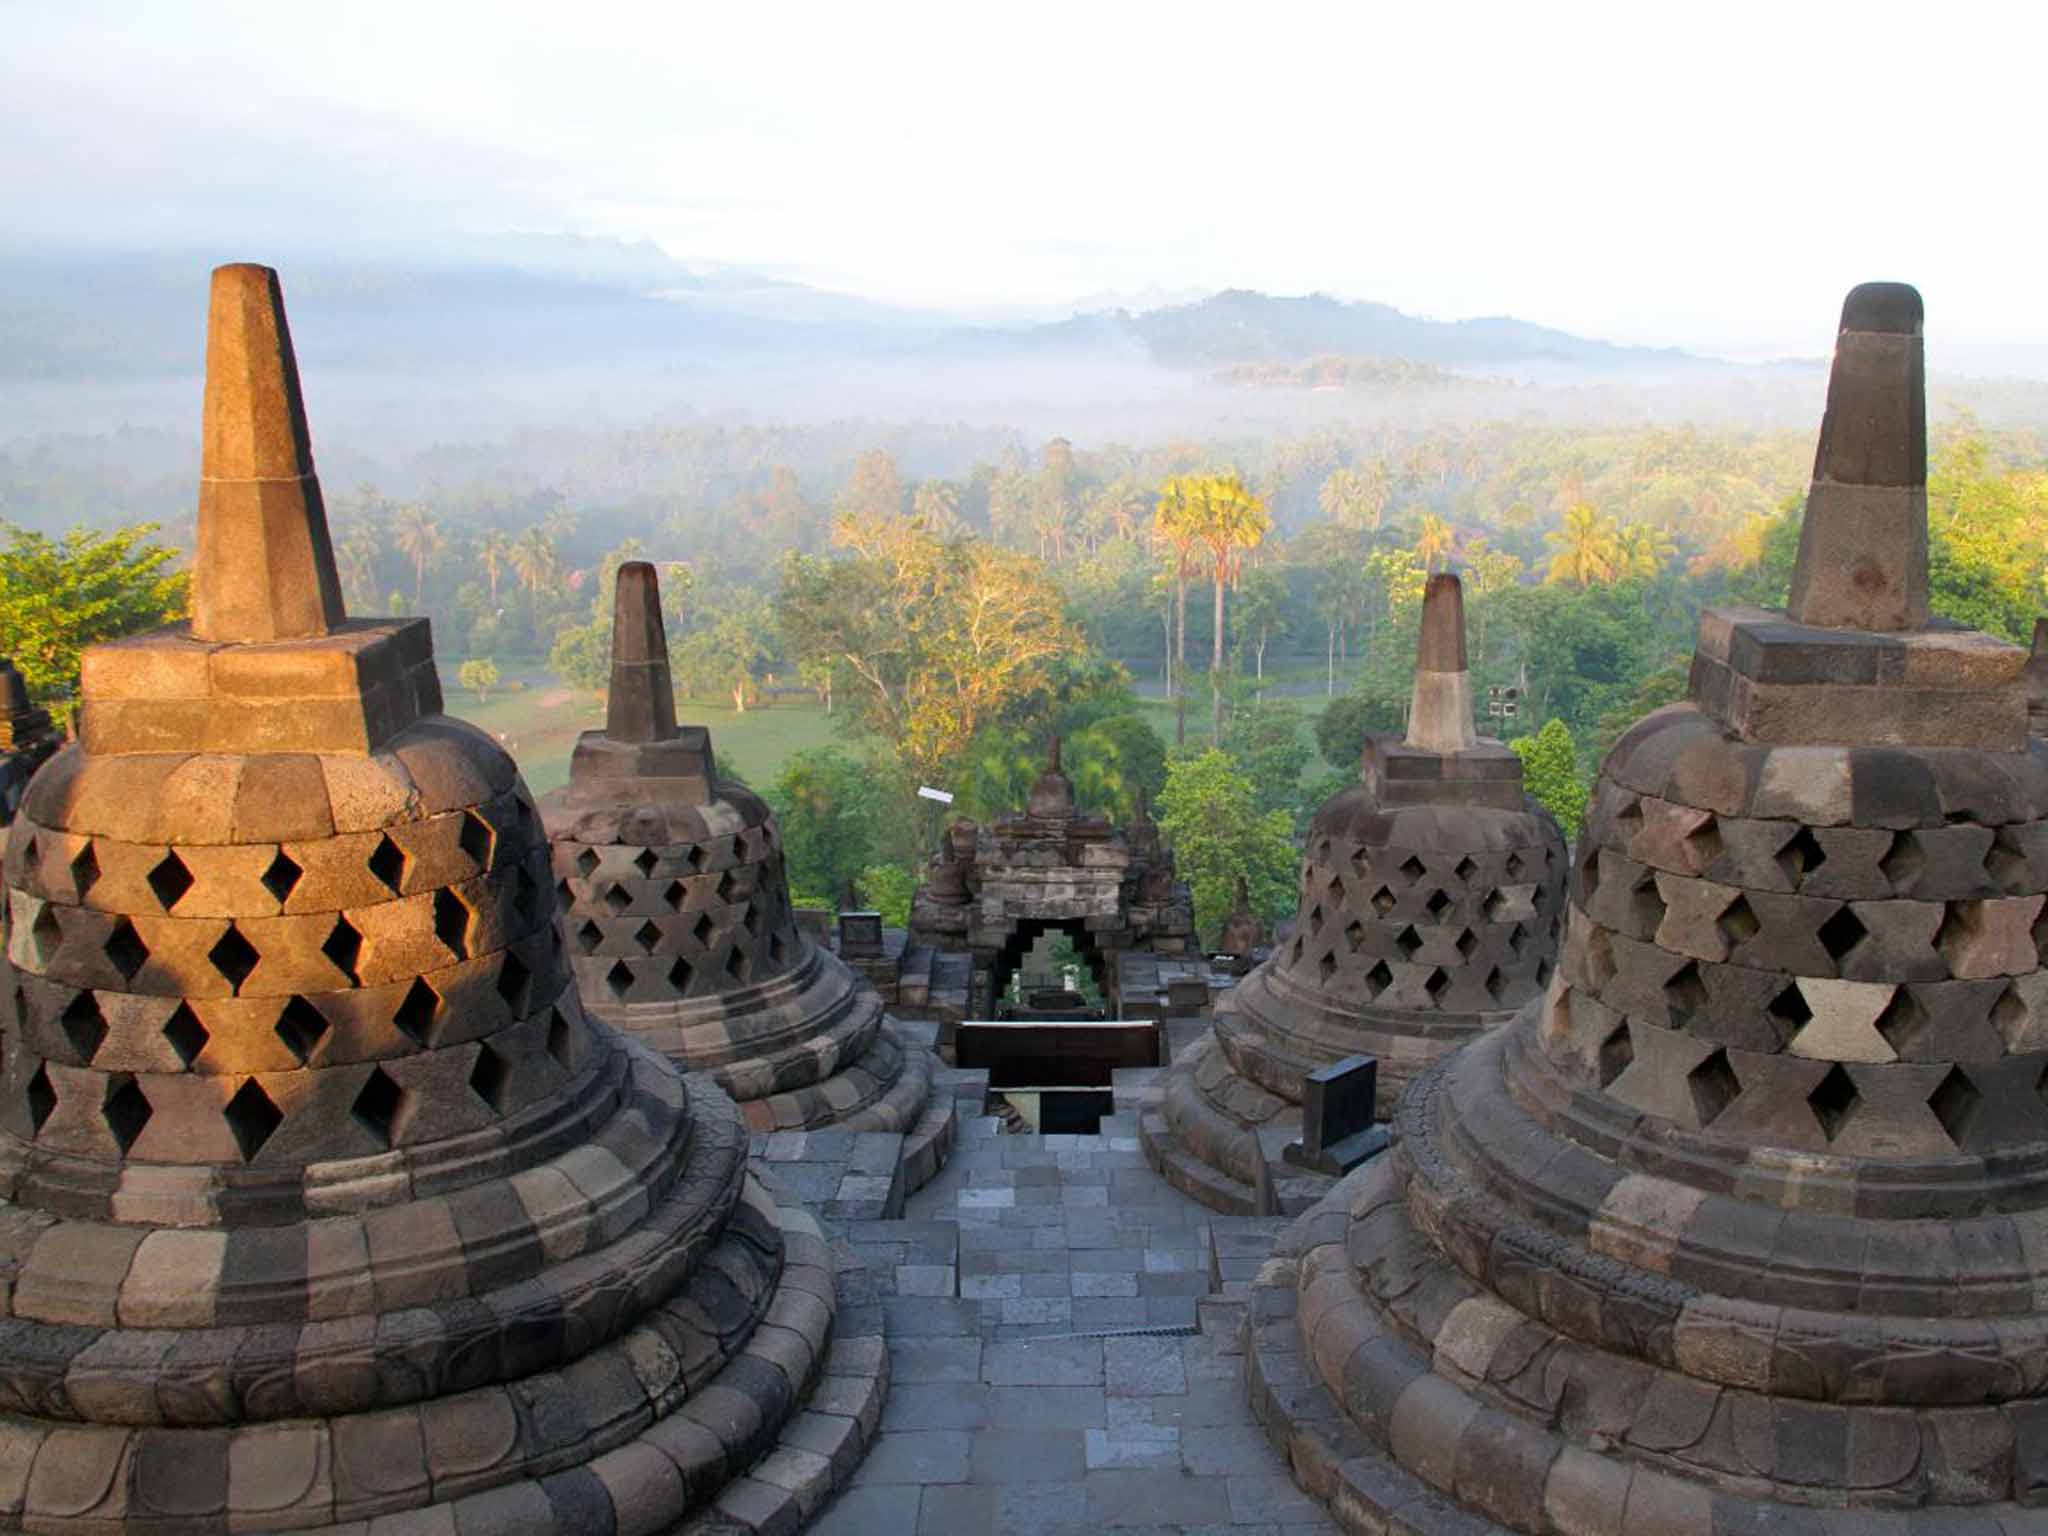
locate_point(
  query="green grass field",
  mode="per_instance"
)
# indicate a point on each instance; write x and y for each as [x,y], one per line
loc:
[539,725]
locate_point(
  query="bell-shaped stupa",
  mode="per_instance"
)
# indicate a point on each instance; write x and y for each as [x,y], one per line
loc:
[1431,897]
[680,927]
[1744,1226]
[328,1205]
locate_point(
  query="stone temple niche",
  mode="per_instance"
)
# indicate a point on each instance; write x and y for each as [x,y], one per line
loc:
[1744,1226]
[672,890]
[325,1200]
[994,891]
[1432,894]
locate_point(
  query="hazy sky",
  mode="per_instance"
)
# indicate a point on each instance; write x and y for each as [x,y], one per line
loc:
[1711,175]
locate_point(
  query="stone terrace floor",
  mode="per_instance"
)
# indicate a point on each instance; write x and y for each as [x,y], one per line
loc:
[1058,1364]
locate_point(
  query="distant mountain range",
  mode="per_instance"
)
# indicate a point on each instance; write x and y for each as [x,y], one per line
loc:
[533,301]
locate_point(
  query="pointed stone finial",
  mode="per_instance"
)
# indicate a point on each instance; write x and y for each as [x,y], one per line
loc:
[265,568]
[642,704]
[1052,760]
[14,699]
[2035,676]
[1863,547]
[1440,708]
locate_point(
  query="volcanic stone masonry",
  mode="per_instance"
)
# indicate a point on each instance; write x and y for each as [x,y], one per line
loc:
[27,739]
[1431,897]
[324,1198]
[1745,1226]
[680,927]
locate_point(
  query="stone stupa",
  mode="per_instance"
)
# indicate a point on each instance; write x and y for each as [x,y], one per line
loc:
[27,739]
[672,890]
[2037,680]
[325,1202]
[1744,1227]
[1431,897]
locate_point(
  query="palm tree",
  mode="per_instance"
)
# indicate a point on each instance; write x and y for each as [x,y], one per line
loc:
[937,505]
[1588,546]
[1176,527]
[1641,550]
[533,558]
[1227,520]
[1433,540]
[419,540]
[494,552]
[1356,497]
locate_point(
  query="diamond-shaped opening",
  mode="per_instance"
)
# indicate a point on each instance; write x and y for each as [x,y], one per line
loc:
[451,922]
[1435,982]
[186,1034]
[1322,853]
[1801,855]
[1336,891]
[647,936]
[775,949]
[1713,1085]
[170,879]
[1295,956]
[589,936]
[1438,904]
[1361,866]
[1383,901]
[752,921]
[1841,933]
[728,886]
[46,934]
[1468,941]
[1326,967]
[698,859]
[561,1041]
[679,974]
[703,929]
[1833,1101]
[383,1108]
[526,897]
[1496,984]
[587,862]
[234,957]
[1379,978]
[282,877]
[1495,905]
[1408,941]
[476,839]
[344,947]
[1354,935]
[1738,922]
[1617,1052]
[84,1025]
[126,949]
[2009,1013]
[1465,869]
[616,898]
[676,894]
[565,899]
[85,870]
[301,1027]
[1589,874]
[1542,973]
[1685,994]
[1647,901]
[514,980]
[125,1110]
[2041,935]
[1904,1025]
[252,1118]
[1412,869]
[42,1098]
[418,1012]
[1599,955]
[1903,861]
[2005,862]
[646,861]
[736,963]
[1955,1102]
[1703,843]
[1513,866]
[487,1077]
[620,979]
[1315,920]
[31,855]
[1518,939]
[387,863]
[1788,1012]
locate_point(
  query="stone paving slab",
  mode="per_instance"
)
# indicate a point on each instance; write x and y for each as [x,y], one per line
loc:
[1060,1386]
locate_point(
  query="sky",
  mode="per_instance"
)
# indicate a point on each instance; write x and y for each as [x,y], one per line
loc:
[1707,176]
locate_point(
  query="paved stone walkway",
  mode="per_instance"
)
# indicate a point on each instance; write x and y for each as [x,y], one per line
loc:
[1055,1368]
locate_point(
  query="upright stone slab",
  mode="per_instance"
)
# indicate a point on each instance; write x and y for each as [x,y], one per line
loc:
[1432,894]
[324,1201]
[1744,1226]
[2036,676]
[680,927]
[27,739]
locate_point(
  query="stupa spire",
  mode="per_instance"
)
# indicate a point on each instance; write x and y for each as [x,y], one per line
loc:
[1440,708]
[1863,547]
[642,703]
[265,566]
